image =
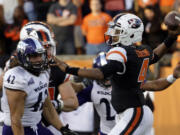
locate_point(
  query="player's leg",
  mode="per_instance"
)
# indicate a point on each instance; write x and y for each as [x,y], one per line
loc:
[133,121]
[146,124]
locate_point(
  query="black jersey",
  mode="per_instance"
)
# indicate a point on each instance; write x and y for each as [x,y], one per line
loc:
[127,67]
[57,77]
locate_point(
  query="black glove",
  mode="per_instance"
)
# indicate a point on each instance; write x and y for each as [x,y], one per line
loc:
[66,131]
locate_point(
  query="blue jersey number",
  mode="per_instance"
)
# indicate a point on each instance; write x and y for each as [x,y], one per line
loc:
[108,109]
[38,105]
[11,79]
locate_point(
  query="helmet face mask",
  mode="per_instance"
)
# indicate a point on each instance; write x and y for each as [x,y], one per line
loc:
[32,55]
[125,29]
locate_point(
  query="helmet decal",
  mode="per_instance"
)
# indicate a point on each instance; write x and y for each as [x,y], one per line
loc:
[134,22]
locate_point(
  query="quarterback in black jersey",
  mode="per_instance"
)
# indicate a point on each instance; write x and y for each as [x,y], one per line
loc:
[127,66]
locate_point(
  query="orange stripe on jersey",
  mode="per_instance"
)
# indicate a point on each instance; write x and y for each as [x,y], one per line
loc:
[117,52]
[43,36]
[67,79]
[135,121]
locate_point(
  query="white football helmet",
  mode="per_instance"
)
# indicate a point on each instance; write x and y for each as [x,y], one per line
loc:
[125,28]
[46,34]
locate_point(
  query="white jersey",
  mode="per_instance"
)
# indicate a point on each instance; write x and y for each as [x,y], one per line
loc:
[81,119]
[35,87]
[101,97]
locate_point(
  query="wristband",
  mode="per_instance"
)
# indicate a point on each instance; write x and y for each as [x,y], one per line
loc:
[55,103]
[61,103]
[170,40]
[171,79]
[72,70]
[58,104]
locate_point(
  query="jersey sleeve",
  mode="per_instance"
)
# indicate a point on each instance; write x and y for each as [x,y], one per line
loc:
[13,79]
[116,58]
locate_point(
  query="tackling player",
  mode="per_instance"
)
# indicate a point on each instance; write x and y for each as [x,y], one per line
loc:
[127,66]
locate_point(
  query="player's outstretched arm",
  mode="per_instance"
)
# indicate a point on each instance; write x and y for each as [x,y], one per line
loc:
[172,20]
[92,73]
[16,100]
[162,83]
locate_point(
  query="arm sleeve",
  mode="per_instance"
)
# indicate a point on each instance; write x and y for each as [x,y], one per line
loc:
[85,95]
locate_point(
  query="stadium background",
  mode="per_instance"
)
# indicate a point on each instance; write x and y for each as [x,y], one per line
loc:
[167,103]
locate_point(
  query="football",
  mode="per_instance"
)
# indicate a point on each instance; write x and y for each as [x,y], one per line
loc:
[172,20]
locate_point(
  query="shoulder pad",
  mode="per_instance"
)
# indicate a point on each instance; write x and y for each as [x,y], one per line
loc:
[118,54]
[15,78]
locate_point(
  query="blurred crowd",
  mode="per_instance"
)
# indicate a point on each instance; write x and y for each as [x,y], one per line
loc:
[79,25]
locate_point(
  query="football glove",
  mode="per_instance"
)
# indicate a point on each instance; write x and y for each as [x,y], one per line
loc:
[66,131]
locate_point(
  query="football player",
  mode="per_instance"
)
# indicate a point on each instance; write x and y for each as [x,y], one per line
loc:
[100,92]
[126,67]
[25,93]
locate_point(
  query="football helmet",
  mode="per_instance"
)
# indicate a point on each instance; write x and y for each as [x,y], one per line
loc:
[46,41]
[98,62]
[44,33]
[124,29]
[31,47]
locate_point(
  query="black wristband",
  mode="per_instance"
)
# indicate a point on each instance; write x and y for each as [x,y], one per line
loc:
[170,40]
[72,70]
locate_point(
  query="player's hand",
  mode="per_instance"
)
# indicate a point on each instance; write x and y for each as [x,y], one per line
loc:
[176,72]
[13,62]
[61,64]
[66,131]
[172,21]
